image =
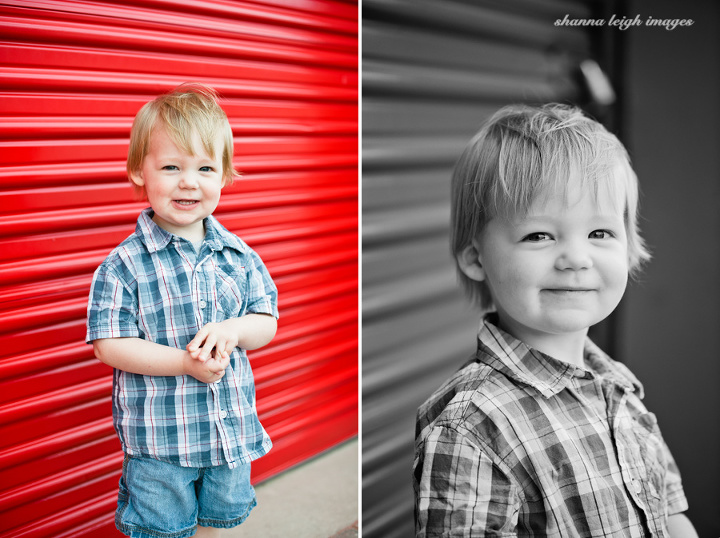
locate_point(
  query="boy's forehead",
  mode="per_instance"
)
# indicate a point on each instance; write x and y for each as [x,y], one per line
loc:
[605,196]
[607,193]
[165,139]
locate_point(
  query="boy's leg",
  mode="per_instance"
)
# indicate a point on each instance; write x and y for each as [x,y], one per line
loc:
[225,496]
[207,532]
[156,499]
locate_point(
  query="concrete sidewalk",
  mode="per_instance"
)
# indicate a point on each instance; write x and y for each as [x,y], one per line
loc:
[317,499]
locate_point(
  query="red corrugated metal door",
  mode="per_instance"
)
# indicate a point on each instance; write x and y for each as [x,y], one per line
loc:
[72,76]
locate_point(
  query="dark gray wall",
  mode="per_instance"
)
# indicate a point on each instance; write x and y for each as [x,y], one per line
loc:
[669,332]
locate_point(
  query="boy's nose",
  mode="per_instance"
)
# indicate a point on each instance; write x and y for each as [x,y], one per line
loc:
[188,181]
[574,257]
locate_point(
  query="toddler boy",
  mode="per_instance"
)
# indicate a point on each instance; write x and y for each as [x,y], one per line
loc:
[172,309]
[540,433]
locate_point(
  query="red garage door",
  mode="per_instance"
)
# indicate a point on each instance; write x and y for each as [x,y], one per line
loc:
[72,76]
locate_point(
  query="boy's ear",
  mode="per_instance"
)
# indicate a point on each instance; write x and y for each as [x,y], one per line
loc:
[137,178]
[469,261]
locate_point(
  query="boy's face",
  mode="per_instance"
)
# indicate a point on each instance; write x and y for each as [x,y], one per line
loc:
[182,189]
[559,269]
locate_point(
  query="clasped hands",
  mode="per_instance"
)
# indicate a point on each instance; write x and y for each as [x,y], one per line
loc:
[209,352]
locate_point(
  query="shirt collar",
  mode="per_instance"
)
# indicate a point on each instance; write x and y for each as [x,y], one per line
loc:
[549,376]
[156,238]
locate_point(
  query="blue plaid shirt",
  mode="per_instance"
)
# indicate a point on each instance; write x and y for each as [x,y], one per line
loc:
[154,286]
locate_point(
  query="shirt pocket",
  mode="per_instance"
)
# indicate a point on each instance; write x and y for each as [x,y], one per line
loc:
[651,449]
[230,288]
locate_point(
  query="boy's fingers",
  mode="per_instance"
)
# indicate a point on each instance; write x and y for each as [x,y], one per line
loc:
[221,358]
[194,346]
[206,351]
[221,349]
[212,377]
[212,365]
[197,340]
[219,373]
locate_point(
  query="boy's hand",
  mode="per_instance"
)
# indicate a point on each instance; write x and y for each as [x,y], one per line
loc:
[222,337]
[208,371]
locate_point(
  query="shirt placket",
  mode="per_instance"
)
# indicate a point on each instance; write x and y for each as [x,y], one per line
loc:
[203,288]
[221,411]
[224,422]
[632,467]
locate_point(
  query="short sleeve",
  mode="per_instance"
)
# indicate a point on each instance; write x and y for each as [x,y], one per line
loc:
[675,495]
[112,309]
[459,491]
[260,288]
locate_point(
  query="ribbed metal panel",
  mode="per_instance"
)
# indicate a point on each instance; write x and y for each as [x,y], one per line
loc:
[432,73]
[72,76]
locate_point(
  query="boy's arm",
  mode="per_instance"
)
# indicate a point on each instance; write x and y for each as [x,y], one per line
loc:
[251,331]
[679,526]
[139,356]
[460,491]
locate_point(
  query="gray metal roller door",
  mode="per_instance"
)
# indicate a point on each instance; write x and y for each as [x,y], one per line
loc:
[432,72]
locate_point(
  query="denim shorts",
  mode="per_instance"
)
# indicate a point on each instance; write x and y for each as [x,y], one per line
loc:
[159,499]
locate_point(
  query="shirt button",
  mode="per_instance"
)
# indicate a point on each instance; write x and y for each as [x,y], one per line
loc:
[223,414]
[203,304]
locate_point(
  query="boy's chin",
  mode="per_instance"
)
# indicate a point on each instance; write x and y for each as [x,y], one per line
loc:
[528,329]
[571,323]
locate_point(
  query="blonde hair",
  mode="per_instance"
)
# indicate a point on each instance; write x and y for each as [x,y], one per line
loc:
[525,152]
[187,109]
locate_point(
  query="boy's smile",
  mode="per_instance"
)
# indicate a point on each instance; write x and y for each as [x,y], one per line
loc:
[182,189]
[559,269]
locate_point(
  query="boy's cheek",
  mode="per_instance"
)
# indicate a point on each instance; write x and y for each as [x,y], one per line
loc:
[615,269]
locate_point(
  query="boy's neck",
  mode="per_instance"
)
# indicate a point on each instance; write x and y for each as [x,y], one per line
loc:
[568,347]
[194,233]
[570,351]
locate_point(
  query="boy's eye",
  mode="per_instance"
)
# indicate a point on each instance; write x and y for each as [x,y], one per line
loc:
[536,237]
[207,169]
[601,234]
[170,167]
